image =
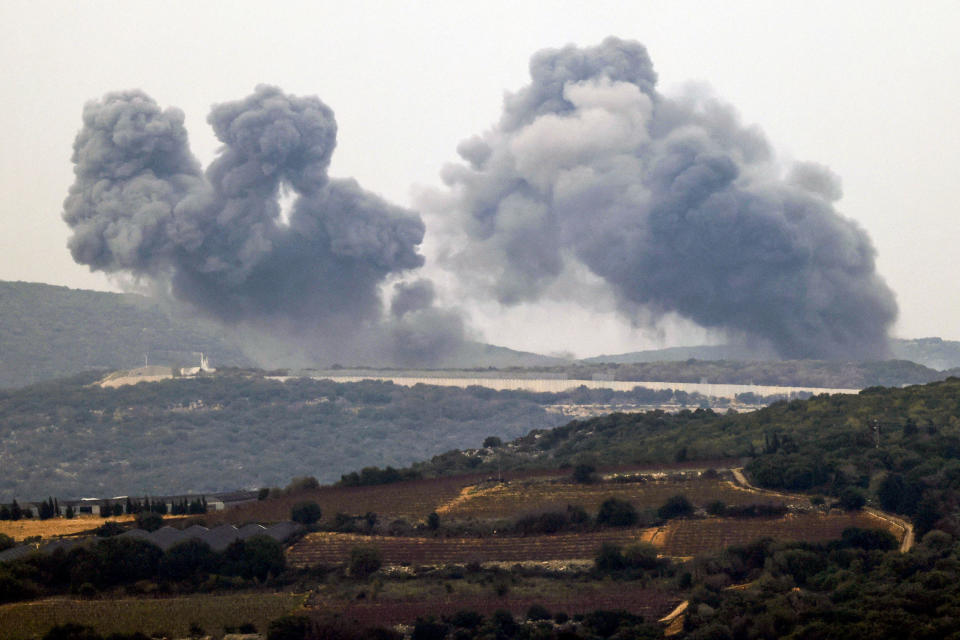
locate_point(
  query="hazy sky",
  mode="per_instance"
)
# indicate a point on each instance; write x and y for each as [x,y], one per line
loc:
[870,89]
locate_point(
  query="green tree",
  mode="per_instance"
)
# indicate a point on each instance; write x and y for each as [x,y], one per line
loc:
[365,560]
[149,520]
[675,507]
[617,513]
[307,512]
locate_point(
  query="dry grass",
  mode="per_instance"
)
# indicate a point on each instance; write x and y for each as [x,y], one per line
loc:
[25,528]
[170,616]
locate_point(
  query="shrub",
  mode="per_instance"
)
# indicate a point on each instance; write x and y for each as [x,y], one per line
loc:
[538,612]
[675,507]
[428,629]
[149,521]
[292,627]
[609,558]
[6,542]
[492,441]
[302,483]
[108,529]
[641,555]
[616,513]
[583,473]
[365,560]
[852,499]
[466,619]
[307,512]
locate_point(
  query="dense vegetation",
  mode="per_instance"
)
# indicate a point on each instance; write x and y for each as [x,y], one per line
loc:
[241,430]
[898,447]
[112,562]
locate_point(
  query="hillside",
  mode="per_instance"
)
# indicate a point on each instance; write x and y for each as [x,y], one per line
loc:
[897,447]
[238,429]
[662,539]
[806,373]
[935,353]
[48,332]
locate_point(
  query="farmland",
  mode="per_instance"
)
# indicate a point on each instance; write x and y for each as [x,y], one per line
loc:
[507,500]
[684,538]
[453,596]
[335,547]
[27,528]
[170,617]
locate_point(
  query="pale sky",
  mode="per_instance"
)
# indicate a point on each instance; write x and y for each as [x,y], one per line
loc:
[869,89]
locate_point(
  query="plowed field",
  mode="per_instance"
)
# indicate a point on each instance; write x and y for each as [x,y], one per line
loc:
[692,537]
[649,603]
[510,500]
[335,547]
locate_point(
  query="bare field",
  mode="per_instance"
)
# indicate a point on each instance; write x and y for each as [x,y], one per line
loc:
[506,501]
[693,537]
[26,528]
[170,617]
[335,547]
[576,598]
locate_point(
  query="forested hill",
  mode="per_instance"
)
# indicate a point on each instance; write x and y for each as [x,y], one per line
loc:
[238,429]
[897,447]
[804,373]
[48,332]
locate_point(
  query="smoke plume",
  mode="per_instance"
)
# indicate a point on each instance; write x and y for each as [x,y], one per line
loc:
[216,240]
[673,203]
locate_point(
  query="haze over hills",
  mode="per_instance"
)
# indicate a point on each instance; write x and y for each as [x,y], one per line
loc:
[48,332]
[934,353]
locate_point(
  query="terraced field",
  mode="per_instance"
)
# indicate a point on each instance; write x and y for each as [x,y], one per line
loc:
[691,537]
[335,547]
[650,603]
[536,495]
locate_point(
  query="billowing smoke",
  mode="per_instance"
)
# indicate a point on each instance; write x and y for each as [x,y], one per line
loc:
[216,239]
[673,203]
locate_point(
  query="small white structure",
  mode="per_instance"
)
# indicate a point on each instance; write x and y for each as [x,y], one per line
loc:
[204,367]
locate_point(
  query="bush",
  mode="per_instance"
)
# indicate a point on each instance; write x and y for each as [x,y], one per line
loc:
[609,558]
[616,513]
[292,627]
[492,441]
[302,483]
[109,529]
[365,560]
[428,629]
[583,473]
[675,507]
[6,542]
[852,499]
[466,619]
[149,521]
[538,612]
[257,557]
[307,512]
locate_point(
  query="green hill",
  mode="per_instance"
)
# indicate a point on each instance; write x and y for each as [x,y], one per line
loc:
[48,332]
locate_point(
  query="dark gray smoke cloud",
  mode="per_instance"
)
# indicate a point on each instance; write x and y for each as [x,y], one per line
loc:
[671,201]
[216,240]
